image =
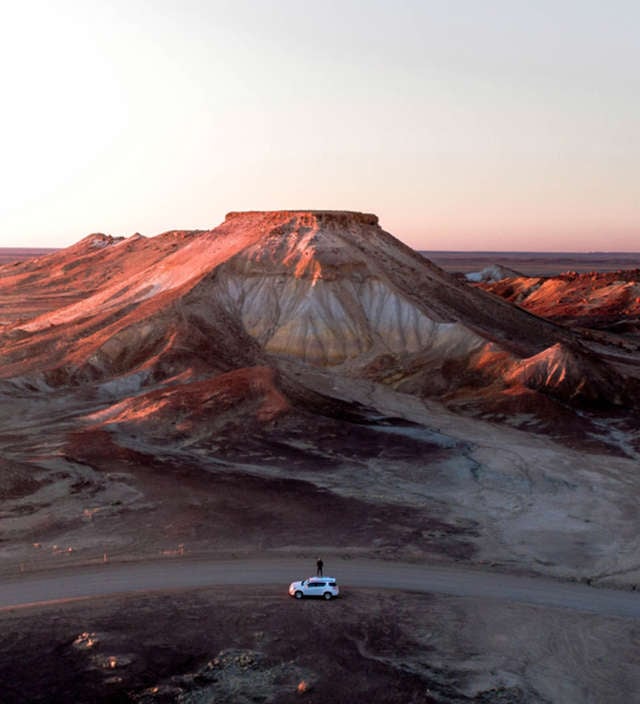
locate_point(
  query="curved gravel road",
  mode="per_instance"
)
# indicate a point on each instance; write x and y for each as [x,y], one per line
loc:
[184,573]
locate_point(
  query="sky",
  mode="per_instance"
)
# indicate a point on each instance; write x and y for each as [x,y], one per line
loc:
[464,125]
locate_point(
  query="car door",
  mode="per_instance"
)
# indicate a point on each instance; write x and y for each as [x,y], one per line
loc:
[315,587]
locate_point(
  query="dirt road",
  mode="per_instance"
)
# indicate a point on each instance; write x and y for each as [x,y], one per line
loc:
[108,579]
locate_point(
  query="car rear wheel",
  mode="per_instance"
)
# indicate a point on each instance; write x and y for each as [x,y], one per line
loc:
[327,595]
[298,595]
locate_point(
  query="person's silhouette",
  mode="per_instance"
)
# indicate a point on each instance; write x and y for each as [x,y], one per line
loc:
[319,566]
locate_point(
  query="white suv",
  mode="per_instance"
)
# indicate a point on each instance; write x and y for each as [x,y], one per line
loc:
[325,587]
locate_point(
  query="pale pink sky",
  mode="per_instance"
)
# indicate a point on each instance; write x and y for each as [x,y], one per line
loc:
[497,125]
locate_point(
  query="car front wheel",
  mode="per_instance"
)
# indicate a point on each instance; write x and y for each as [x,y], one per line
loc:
[327,595]
[298,595]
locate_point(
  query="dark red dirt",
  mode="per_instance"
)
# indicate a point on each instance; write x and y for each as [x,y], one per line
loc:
[364,647]
[247,512]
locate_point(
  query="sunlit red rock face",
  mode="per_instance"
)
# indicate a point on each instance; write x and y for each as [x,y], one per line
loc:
[330,289]
[248,396]
[599,300]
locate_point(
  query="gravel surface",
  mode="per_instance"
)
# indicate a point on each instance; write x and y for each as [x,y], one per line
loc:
[184,574]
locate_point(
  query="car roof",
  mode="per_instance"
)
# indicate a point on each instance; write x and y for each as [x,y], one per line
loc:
[323,578]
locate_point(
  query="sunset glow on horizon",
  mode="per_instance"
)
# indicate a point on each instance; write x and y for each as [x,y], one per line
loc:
[469,126]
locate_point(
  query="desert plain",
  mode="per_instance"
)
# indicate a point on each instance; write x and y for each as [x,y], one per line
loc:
[296,384]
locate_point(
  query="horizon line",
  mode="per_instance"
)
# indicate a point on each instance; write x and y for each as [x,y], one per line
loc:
[432,251]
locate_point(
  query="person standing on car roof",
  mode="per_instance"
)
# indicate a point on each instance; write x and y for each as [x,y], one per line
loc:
[319,566]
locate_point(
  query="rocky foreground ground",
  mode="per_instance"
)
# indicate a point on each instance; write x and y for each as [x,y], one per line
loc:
[255,644]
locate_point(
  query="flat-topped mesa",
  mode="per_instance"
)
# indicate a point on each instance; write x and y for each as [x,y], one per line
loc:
[306,245]
[324,217]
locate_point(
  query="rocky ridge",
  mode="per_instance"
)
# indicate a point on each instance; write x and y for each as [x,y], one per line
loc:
[598,300]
